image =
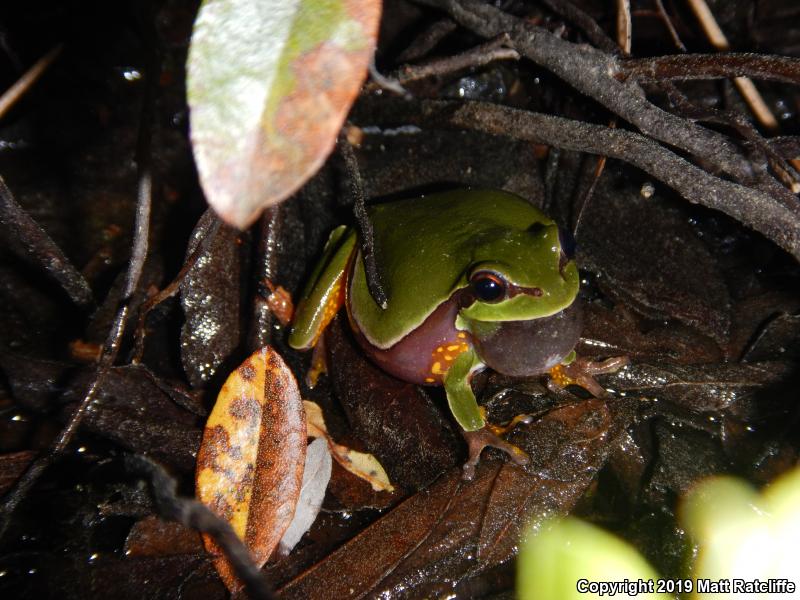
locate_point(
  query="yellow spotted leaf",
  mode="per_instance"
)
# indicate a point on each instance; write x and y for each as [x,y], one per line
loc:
[269,83]
[360,464]
[250,464]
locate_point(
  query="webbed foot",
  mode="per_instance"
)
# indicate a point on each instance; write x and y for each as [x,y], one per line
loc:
[581,371]
[486,437]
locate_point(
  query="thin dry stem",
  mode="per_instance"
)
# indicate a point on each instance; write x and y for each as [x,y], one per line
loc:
[624,25]
[745,86]
[12,95]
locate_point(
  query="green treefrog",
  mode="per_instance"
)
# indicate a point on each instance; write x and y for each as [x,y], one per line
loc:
[473,278]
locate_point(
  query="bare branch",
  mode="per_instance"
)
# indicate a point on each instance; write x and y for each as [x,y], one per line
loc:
[427,40]
[713,66]
[593,73]
[366,235]
[25,83]
[476,57]
[34,242]
[745,86]
[584,22]
[195,515]
[754,208]
[662,13]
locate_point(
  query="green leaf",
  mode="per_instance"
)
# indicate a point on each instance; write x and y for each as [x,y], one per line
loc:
[560,555]
[741,533]
[269,85]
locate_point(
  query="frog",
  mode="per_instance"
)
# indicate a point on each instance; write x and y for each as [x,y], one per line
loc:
[474,278]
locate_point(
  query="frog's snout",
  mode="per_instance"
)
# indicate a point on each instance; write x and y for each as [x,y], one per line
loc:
[527,348]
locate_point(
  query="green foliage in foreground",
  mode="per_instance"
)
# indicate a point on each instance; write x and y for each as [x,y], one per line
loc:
[739,533]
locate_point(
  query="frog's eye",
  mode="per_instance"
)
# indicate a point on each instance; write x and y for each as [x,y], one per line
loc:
[488,286]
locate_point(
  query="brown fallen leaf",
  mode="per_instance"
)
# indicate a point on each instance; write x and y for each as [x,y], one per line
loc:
[153,537]
[250,464]
[269,85]
[674,277]
[457,530]
[360,464]
[398,422]
[210,301]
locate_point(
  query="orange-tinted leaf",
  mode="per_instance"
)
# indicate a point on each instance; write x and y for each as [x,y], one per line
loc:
[280,303]
[250,464]
[269,85]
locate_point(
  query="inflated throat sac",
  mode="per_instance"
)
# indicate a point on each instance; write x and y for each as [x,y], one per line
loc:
[527,348]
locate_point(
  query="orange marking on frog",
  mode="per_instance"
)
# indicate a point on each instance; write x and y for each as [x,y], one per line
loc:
[332,306]
[559,376]
[443,356]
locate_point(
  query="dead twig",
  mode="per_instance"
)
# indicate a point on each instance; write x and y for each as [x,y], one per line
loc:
[593,73]
[366,234]
[713,66]
[752,207]
[587,196]
[25,83]
[745,85]
[427,40]
[624,26]
[207,232]
[195,515]
[662,14]
[479,56]
[385,83]
[765,153]
[33,242]
[584,22]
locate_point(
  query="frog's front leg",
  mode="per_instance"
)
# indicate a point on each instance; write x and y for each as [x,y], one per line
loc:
[477,433]
[581,371]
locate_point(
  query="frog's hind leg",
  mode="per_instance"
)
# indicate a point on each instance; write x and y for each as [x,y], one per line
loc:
[581,372]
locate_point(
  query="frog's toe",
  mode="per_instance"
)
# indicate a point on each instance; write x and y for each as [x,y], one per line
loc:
[319,364]
[610,365]
[581,371]
[504,429]
[483,438]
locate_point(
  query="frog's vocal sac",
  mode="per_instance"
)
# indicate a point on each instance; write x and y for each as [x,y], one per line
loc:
[473,278]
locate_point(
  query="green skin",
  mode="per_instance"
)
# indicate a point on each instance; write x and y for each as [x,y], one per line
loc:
[427,247]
